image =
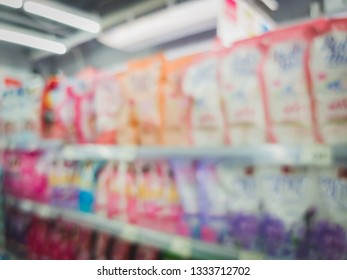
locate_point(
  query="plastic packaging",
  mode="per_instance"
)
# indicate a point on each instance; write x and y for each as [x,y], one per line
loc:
[242,93]
[328,69]
[200,83]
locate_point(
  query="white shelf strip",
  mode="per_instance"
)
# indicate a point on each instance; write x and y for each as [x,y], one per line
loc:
[320,155]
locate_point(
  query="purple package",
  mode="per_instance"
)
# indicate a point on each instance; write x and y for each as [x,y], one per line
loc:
[329,231]
[212,202]
[184,174]
[243,206]
[62,184]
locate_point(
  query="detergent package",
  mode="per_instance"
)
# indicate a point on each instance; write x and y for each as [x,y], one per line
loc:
[172,209]
[243,204]
[58,112]
[329,234]
[200,83]
[117,191]
[109,101]
[212,202]
[286,84]
[290,197]
[328,69]
[62,180]
[30,110]
[85,181]
[150,194]
[143,84]
[176,104]
[242,93]
[11,98]
[187,187]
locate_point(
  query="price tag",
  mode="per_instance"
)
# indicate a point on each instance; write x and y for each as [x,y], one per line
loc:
[316,155]
[130,233]
[181,246]
[250,255]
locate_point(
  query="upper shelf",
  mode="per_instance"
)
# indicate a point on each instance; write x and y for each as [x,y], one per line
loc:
[320,155]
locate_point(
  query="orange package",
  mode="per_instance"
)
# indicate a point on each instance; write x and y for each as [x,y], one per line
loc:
[143,84]
[176,104]
[127,132]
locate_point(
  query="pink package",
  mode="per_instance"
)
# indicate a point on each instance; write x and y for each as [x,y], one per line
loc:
[116,194]
[200,83]
[328,69]
[102,189]
[82,94]
[109,102]
[172,210]
[11,177]
[150,190]
[33,177]
[242,93]
[286,86]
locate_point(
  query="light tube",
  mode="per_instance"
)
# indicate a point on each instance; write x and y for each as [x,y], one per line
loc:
[16,4]
[61,14]
[271,4]
[26,39]
[175,22]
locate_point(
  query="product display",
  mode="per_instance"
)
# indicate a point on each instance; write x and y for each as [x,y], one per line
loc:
[239,150]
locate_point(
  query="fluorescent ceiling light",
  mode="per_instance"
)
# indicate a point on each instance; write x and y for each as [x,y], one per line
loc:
[271,4]
[172,23]
[12,3]
[28,39]
[62,14]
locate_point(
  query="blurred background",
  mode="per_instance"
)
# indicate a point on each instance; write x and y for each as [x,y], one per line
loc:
[173,129]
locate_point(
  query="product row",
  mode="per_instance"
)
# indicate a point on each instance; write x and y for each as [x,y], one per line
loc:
[31,237]
[287,86]
[285,212]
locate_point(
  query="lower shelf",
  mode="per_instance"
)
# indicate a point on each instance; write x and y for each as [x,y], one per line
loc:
[183,246]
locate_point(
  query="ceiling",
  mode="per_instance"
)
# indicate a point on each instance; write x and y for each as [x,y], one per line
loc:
[288,10]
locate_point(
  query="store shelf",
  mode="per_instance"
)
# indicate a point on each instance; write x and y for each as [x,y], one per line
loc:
[264,154]
[186,247]
[252,155]
[46,145]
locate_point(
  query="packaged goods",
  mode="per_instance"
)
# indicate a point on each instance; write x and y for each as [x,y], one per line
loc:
[242,93]
[62,182]
[328,69]
[200,83]
[184,172]
[177,105]
[85,180]
[143,84]
[150,194]
[289,196]
[329,232]
[212,202]
[109,101]
[117,191]
[58,111]
[11,93]
[243,204]
[286,84]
